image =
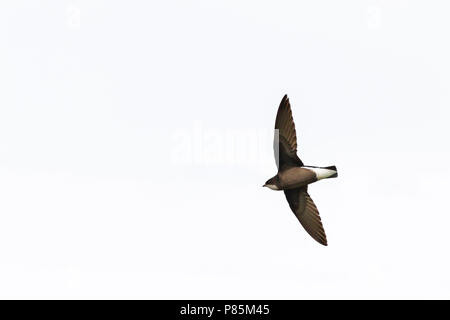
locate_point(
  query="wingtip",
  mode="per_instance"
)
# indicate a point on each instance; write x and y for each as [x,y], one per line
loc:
[285,101]
[322,242]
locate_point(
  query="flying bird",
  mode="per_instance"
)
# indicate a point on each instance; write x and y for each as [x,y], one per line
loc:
[293,176]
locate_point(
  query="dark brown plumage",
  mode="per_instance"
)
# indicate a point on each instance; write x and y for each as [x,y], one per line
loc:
[306,212]
[285,141]
[293,177]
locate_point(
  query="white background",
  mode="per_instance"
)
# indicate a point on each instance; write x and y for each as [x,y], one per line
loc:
[116,180]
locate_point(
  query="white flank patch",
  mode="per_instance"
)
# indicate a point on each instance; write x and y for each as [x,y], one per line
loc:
[322,173]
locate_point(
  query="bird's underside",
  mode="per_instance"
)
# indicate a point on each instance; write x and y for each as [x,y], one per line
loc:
[285,147]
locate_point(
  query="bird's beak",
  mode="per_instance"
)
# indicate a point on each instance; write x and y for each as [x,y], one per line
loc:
[265,185]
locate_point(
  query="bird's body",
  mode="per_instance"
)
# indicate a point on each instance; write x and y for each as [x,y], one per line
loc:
[296,177]
[293,176]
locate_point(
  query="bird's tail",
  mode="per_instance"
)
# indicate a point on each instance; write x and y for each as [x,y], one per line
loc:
[332,168]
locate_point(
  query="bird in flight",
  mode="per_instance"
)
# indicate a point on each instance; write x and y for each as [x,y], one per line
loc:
[293,176]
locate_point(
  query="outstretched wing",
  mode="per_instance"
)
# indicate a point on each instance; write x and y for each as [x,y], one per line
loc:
[285,140]
[306,212]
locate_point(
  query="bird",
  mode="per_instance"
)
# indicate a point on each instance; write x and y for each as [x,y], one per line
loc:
[293,177]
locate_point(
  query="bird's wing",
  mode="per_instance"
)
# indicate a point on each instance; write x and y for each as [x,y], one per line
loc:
[306,212]
[285,140]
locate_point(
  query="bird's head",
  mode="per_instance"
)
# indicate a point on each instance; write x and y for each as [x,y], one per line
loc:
[272,183]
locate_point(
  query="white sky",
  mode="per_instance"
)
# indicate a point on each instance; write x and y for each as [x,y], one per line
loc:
[134,140]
